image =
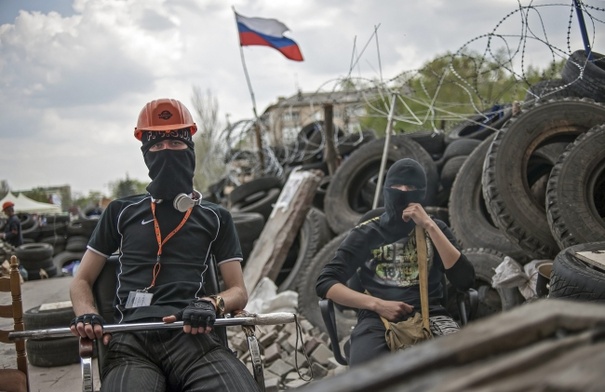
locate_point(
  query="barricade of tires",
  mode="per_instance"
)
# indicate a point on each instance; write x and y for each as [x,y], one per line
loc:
[52,245]
[37,259]
[78,233]
[525,181]
[46,228]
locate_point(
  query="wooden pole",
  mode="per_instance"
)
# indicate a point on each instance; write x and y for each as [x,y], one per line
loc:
[330,154]
[259,144]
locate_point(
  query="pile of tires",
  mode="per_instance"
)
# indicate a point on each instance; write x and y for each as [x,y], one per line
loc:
[51,352]
[518,172]
[51,243]
[37,259]
[78,233]
[257,195]
[524,181]
[49,229]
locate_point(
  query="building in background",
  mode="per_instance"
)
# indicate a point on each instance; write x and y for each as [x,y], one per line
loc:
[288,116]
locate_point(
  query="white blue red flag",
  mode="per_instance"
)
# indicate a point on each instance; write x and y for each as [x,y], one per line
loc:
[267,32]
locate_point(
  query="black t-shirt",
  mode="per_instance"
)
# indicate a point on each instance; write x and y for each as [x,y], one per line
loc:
[127,226]
[390,270]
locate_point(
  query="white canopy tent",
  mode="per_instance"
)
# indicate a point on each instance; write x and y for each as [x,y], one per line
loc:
[27,205]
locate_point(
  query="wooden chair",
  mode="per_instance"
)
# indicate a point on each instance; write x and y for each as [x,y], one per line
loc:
[14,380]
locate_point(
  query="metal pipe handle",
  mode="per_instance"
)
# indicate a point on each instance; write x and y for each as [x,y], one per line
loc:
[257,319]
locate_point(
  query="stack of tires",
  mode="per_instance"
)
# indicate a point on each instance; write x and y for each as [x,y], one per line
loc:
[45,228]
[257,196]
[525,181]
[50,352]
[37,259]
[54,232]
[78,233]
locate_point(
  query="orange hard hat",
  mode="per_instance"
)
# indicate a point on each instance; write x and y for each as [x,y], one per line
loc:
[7,204]
[163,115]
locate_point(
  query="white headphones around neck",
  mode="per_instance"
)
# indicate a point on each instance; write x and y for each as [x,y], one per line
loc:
[182,202]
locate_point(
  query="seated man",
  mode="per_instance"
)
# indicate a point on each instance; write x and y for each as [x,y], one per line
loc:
[164,240]
[382,251]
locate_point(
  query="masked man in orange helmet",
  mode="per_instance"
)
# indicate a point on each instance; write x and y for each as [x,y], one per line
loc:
[12,230]
[164,240]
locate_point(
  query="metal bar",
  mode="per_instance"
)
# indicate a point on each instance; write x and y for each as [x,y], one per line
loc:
[583,32]
[259,319]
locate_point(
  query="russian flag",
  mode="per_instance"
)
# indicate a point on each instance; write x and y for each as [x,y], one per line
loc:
[267,32]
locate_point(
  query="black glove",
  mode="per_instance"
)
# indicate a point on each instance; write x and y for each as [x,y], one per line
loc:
[199,313]
[88,318]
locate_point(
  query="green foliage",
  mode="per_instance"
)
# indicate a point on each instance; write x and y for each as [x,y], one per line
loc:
[209,165]
[451,87]
[37,194]
[42,195]
[85,201]
[209,148]
[127,187]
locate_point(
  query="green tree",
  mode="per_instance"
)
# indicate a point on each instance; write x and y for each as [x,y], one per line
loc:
[209,150]
[127,187]
[87,201]
[37,194]
[452,87]
[42,195]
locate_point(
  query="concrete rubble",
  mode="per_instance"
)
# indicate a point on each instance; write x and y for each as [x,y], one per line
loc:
[293,354]
[288,362]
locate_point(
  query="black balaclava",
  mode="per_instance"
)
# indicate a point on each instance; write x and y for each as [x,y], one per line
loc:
[403,172]
[171,171]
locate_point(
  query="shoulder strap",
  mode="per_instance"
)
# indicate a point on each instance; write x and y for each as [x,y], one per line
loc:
[423,276]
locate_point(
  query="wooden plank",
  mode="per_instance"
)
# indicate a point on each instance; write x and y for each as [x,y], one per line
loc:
[480,341]
[568,364]
[56,305]
[280,230]
[596,258]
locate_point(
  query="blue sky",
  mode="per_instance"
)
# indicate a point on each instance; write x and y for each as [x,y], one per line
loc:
[75,73]
[9,9]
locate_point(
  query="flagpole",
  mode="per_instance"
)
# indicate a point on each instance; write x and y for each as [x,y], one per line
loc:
[259,140]
[241,52]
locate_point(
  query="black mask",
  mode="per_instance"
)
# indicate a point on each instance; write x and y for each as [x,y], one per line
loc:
[403,172]
[171,172]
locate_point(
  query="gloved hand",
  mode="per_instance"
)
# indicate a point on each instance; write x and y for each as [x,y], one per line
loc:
[88,318]
[199,314]
[88,325]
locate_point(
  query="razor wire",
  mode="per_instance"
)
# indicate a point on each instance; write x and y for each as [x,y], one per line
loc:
[501,52]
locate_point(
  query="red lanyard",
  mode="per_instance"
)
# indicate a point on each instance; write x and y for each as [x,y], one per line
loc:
[158,236]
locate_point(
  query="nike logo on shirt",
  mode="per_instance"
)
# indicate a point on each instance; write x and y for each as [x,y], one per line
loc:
[144,222]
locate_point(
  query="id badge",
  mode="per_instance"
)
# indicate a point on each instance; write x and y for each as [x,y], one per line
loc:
[138,298]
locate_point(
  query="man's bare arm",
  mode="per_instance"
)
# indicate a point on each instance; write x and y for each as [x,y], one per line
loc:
[81,295]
